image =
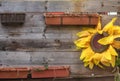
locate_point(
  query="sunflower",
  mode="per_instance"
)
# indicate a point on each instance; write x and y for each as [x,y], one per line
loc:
[98,45]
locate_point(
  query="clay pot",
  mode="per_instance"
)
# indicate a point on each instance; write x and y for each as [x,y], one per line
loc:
[61,18]
[50,72]
[13,73]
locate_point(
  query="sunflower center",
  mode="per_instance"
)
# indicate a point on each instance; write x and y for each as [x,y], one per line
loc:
[97,47]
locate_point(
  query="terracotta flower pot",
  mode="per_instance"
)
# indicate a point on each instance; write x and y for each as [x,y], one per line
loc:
[61,18]
[51,72]
[12,19]
[13,73]
[53,18]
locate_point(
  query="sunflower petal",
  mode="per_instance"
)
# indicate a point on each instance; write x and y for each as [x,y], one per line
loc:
[113,61]
[106,63]
[100,31]
[116,36]
[86,54]
[101,66]
[103,59]
[83,34]
[106,40]
[96,62]
[107,55]
[91,65]
[109,27]
[116,44]
[86,64]
[98,25]
[112,51]
[83,44]
[96,58]
[89,57]
[90,30]
[116,30]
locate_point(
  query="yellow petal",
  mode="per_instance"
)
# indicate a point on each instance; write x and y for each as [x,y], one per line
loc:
[116,36]
[96,62]
[78,48]
[86,64]
[91,65]
[98,25]
[112,61]
[100,31]
[87,54]
[106,63]
[96,58]
[112,51]
[101,66]
[107,55]
[109,27]
[83,44]
[103,59]
[116,44]
[106,40]
[84,53]
[116,30]
[83,34]
[90,30]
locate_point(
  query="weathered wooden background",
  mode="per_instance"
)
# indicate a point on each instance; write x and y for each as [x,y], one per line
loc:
[32,42]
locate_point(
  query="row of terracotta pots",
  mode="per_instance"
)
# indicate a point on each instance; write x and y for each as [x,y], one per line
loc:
[52,18]
[61,18]
[34,72]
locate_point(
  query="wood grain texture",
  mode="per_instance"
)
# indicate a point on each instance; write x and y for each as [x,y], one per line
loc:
[13,59]
[34,40]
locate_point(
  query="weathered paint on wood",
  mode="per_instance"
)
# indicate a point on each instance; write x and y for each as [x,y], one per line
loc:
[34,40]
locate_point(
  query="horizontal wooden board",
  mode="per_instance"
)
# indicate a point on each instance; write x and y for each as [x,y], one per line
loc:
[108,78]
[53,58]
[52,43]
[22,58]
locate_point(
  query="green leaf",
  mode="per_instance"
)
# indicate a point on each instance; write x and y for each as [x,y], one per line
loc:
[118,62]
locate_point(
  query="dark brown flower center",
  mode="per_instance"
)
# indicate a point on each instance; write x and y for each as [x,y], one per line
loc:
[97,47]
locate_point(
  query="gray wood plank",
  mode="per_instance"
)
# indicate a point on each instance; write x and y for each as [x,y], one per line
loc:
[54,58]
